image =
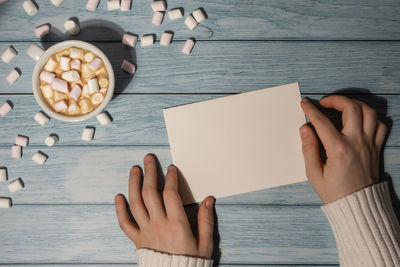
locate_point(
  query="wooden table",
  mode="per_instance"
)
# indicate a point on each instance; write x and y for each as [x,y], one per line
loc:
[65,214]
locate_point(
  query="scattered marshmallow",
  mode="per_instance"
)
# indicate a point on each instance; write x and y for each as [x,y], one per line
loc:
[51,140]
[59,85]
[15,185]
[30,7]
[199,15]
[71,76]
[21,140]
[76,64]
[157,18]
[125,5]
[65,63]
[129,39]
[34,51]
[9,54]
[13,76]
[147,40]
[158,6]
[97,98]
[128,66]
[113,4]
[42,30]
[166,38]
[16,152]
[190,22]
[75,92]
[3,175]
[41,118]
[91,5]
[47,76]
[88,134]
[60,106]
[39,157]
[5,203]
[72,27]
[57,2]
[93,86]
[175,14]
[188,47]
[5,108]
[51,65]
[103,118]
[95,64]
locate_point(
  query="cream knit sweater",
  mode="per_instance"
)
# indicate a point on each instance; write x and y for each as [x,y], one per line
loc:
[364,224]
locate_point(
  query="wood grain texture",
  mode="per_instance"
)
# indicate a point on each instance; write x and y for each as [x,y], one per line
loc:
[135,265]
[94,175]
[232,67]
[90,234]
[234,19]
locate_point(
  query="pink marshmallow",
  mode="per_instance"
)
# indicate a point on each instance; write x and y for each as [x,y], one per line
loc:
[42,30]
[129,39]
[187,48]
[125,5]
[59,85]
[60,106]
[157,18]
[47,76]
[16,152]
[5,108]
[95,64]
[166,38]
[158,6]
[76,64]
[128,66]
[92,5]
[75,92]
[21,140]
[13,76]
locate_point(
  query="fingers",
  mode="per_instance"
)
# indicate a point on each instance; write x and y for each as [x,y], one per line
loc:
[172,200]
[380,134]
[311,153]
[326,130]
[370,120]
[136,203]
[124,219]
[151,197]
[205,224]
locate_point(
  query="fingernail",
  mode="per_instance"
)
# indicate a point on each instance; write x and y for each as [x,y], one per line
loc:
[117,199]
[147,158]
[303,131]
[171,167]
[210,203]
[306,100]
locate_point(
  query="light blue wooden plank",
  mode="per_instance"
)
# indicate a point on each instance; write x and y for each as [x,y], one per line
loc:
[231,67]
[133,265]
[90,234]
[234,19]
[94,175]
[138,120]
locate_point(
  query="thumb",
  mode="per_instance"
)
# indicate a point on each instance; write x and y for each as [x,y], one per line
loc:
[312,158]
[205,225]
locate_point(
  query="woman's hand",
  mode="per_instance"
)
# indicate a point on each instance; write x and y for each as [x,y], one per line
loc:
[162,224]
[352,154]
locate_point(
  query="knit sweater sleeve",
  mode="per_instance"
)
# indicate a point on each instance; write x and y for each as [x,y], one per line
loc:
[365,227]
[150,258]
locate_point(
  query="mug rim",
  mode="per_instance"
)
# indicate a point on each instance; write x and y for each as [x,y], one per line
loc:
[42,61]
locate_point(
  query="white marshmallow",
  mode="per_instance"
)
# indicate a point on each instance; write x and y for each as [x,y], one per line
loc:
[21,140]
[125,5]
[103,90]
[113,4]
[34,51]
[97,98]
[128,66]
[13,76]
[29,7]
[47,90]
[199,15]
[147,40]
[39,157]
[85,90]
[42,30]
[71,76]
[92,5]
[5,203]
[57,2]
[158,6]
[190,22]
[47,76]
[75,92]
[129,40]
[51,65]
[3,174]
[157,18]
[76,52]
[88,134]
[41,118]
[175,14]
[59,85]
[72,27]
[103,118]
[16,152]
[76,64]
[88,57]
[51,140]
[188,47]
[93,86]
[166,38]
[9,54]
[73,108]
[5,108]
[65,63]
[60,106]
[95,64]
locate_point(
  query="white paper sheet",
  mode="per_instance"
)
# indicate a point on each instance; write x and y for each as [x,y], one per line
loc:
[238,143]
